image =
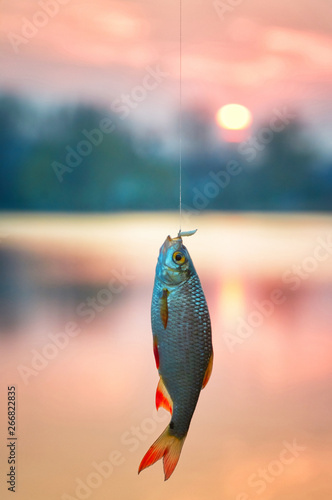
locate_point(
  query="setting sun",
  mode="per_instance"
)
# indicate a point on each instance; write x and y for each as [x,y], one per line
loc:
[234,117]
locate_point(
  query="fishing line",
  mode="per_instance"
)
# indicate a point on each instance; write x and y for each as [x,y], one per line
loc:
[180,117]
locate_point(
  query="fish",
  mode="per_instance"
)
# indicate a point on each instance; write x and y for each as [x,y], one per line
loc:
[182,347]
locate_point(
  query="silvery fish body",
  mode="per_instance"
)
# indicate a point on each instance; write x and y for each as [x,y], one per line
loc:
[182,346]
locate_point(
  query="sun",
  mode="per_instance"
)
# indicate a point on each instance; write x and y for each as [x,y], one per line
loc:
[234,117]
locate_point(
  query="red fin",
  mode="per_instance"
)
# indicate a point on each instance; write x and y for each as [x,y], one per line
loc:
[155,351]
[164,307]
[163,399]
[167,447]
[208,372]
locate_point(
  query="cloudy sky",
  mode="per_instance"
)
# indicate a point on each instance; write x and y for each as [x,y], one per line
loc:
[257,53]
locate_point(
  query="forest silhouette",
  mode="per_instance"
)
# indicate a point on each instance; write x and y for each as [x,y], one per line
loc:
[78,158]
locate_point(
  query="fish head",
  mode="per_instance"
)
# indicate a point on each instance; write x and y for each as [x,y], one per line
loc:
[174,263]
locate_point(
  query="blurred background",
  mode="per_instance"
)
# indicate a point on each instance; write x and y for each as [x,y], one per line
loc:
[89,189]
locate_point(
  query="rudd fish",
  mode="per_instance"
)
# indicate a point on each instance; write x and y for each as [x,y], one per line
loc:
[182,347]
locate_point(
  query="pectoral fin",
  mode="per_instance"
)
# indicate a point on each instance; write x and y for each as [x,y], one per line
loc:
[164,307]
[208,372]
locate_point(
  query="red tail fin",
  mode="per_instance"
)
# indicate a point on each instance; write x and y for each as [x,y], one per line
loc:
[166,447]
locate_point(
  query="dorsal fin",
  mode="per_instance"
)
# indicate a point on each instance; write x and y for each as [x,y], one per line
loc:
[208,371]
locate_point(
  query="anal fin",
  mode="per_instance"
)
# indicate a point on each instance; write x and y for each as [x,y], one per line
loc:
[163,399]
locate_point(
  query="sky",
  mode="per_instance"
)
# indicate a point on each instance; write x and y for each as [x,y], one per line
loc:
[256,53]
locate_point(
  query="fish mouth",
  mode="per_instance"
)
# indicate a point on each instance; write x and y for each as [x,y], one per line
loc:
[169,242]
[177,241]
[166,272]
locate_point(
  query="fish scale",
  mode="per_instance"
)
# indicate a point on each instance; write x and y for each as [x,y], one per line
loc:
[183,375]
[182,345]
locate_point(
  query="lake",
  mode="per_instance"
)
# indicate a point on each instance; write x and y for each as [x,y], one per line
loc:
[76,343]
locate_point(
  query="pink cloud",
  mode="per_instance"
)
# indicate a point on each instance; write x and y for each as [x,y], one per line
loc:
[94,50]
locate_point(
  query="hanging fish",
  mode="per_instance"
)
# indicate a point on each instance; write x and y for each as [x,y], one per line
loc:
[182,347]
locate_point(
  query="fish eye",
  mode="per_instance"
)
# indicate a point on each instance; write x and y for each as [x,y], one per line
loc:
[179,258]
